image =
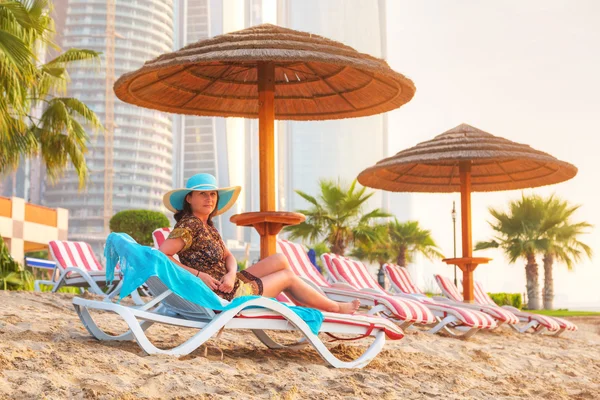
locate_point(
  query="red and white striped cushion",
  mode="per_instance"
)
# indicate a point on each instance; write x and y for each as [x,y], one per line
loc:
[391,330]
[300,263]
[356,275]
[160,235]
[499,313]
[564,324]
[468,317]
[551,323]
[449,289]
[400,277]
[481,296]
[352,272]
[74,254]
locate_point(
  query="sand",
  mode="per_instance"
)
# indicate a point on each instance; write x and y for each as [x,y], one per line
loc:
[45,352]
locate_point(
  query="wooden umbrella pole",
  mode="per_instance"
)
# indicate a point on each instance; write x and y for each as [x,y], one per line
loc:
[465,217]
[267,222]
[266,145]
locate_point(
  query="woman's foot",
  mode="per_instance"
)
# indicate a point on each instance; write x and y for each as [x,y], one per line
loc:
[349,308]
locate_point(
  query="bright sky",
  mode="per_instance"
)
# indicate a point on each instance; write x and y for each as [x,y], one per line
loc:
[527,71]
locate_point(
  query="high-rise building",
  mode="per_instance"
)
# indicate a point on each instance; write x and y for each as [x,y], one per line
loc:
[337,149]
[196,147]
[142,141]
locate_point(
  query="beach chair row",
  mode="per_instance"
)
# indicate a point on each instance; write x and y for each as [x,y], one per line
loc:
[384,314]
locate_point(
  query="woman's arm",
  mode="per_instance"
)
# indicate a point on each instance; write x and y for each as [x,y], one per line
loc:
[170,247]
[228,281]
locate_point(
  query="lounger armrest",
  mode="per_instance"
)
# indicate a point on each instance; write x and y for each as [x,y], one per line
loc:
[343,294]
[407,296]
[371,291]
[342,285]
[442,299]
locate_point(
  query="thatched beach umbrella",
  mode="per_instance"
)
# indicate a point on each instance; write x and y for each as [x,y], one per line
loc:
[267,72]
[466,159]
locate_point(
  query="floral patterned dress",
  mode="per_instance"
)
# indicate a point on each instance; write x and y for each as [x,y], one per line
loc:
[205,251]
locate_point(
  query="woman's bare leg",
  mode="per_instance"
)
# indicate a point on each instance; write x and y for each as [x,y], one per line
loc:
[286,280]
[269,265]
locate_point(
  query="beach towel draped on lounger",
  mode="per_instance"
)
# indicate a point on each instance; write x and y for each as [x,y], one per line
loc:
[138,263]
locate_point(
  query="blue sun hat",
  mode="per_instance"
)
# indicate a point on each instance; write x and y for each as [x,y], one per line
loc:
[174,199]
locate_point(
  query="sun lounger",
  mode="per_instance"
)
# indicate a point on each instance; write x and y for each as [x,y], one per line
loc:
[75,265]
[453,296]
[403,285]
[534,322]
[259,314]
[403,312]
[530,320]
[452,320]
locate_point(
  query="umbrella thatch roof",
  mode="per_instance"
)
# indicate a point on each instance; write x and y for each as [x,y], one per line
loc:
[315,78]
[496,164]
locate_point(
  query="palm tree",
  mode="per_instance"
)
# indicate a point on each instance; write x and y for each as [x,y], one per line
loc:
[563,243]
[336,217]
[378,250]
[35,117]
[520,234]
[408,239]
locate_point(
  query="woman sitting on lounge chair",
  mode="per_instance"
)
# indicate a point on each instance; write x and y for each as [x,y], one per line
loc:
[202,252]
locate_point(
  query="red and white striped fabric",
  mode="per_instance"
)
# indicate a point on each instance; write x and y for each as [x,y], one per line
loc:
[300,263]
[352,272]
[451,291]
[74,254]
[302,267]
[401,279]
[356,275]
[481,296]
[566,325]
[550,323]
[160,235]
[369,322]
[448,288]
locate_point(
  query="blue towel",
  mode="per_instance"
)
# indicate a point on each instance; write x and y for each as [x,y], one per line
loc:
[138,263]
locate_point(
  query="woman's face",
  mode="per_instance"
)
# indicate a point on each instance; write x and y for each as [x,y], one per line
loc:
[202,202]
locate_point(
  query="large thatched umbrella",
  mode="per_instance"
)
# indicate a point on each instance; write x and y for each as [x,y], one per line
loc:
[466,159]
[267,72]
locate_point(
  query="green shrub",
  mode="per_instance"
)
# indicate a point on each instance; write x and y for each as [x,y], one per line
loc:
[63,289]
[139,224]
[12,276]
[508,299]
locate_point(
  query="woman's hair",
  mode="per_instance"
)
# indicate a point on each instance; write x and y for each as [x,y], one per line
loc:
[187,209]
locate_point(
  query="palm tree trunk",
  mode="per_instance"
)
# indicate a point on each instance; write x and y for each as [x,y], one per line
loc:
[401,259]
[338,249]
[533,290]
[548,282]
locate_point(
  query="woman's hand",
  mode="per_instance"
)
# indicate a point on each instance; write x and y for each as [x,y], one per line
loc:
[209,280]
[227,282]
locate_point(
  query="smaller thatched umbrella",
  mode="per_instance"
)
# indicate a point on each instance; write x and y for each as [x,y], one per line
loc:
[466,159]
[267,72]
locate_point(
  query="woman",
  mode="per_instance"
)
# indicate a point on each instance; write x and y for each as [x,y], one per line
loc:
[202,252]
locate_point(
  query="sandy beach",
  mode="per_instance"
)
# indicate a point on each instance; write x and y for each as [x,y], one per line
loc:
[45,352]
